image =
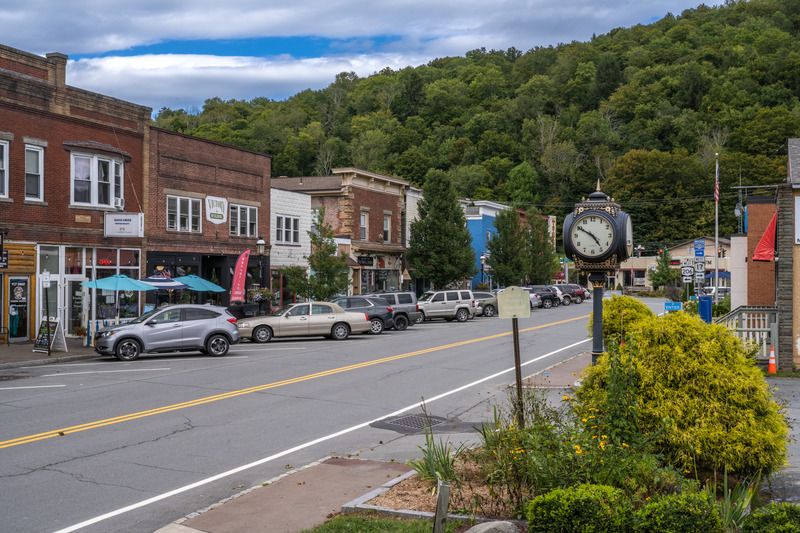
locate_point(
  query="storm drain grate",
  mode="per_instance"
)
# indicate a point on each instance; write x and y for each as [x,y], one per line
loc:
[416,422]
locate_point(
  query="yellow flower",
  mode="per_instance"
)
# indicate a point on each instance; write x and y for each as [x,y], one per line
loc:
[566,398]
[584,420]
[624,445]
[594,436]
[604,437]
[602,444]
[578,449]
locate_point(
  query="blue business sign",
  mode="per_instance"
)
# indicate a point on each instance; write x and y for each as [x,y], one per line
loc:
[700,248]
[673,306]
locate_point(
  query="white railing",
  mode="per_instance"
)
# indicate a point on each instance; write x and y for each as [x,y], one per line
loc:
[755,326]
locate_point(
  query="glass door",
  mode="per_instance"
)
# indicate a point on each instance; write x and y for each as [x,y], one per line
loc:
[19,308]
[74,306]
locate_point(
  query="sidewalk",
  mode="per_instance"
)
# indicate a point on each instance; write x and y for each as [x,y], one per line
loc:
[22,354]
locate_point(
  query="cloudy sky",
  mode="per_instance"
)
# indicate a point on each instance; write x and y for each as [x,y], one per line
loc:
[177,53]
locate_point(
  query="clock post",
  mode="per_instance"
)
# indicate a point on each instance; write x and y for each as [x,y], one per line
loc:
[598,236]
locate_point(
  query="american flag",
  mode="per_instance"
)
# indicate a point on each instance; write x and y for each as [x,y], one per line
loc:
[716,189]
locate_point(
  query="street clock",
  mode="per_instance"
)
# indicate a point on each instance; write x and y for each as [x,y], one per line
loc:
[598,235]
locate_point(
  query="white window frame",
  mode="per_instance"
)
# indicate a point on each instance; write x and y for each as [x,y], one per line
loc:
[190,214]
[387,227]
[363,225]
[3,169]
[116,180]
[282,230]
[251,214]
[39,150]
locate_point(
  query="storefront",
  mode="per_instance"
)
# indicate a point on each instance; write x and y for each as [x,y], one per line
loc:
[17,308]
[377,273]
[69,300]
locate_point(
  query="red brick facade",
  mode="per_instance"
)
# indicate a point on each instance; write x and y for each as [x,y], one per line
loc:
[760,274]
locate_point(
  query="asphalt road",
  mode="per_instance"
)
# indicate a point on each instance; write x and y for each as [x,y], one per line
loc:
[111,446]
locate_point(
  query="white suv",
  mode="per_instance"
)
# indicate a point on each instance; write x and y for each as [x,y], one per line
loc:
[450,305]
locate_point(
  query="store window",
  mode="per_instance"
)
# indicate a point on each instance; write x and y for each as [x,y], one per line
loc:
[48,259]
[243,221]
[96,181]
[184,214]
[34,173]
[73,260]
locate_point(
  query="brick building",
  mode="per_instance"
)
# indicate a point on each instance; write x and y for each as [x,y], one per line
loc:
[71,195]
[760,274]
[366,212]
[206,203]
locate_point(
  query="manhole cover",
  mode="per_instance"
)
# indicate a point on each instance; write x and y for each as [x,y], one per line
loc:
[410,424]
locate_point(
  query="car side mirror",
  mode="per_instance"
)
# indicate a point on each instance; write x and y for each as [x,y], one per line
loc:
[150,324]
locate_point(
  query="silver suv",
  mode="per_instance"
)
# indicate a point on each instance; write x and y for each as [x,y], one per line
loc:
[175,328]
[453,304]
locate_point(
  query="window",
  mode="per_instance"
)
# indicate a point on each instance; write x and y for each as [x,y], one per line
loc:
[363,226]
[96,180]
[319,309]
[358,302]
[300,310]
[315,213]
[3,169]
[452,296]
[387,228]
[466,295]
[183,214]
[34,173]
[173,315]
[438,297]
[287,229]
[405,299]
[244,221]
[199,314]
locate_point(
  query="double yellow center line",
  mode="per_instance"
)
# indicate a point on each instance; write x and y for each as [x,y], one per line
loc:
[250,390]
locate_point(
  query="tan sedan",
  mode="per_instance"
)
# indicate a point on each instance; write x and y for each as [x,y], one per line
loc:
[303,320]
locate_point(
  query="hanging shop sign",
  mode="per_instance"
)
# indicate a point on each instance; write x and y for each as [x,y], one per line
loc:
[366,260]
[216,210]
[124,225]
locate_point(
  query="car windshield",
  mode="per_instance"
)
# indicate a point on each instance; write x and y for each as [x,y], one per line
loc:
[144,317]
[425,297]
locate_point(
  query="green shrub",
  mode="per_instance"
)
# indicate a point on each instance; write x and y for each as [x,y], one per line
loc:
[620,314]
[584,508]
[701,400]
[774,518]
[679,513]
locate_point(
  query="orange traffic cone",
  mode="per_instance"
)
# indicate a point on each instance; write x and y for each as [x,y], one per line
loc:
[771,366]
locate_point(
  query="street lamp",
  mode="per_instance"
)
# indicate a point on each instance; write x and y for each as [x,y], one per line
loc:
[639,249]
[261,249]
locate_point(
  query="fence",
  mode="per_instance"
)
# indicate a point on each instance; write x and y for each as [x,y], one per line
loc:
[755,326]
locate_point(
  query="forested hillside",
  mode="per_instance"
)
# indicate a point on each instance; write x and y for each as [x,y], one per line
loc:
[643,108]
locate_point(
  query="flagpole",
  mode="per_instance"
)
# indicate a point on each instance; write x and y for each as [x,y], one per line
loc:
[716,229]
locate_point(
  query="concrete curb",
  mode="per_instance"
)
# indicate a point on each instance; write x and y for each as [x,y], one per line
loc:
[48,361]
[360,505]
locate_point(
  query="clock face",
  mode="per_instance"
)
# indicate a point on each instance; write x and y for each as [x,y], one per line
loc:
[592,235]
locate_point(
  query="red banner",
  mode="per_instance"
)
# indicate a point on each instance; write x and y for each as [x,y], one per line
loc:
[239,275]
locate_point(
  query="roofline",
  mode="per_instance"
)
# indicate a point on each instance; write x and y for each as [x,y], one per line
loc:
[353,170]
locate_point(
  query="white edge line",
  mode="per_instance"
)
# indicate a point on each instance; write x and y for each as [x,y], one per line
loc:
[175,360]
[299,447]
[32,387]
[102,372]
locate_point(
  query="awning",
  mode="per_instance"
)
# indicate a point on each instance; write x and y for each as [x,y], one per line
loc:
[722,275]
[765,249]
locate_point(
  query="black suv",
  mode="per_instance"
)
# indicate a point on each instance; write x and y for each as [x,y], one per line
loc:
[548,296]
[378,310]
[574,292]
[406,310]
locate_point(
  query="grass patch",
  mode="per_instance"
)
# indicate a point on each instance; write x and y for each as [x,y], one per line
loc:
[373,523]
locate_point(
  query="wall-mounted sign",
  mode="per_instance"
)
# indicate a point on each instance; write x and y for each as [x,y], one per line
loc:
[366,260]
[216,210]
[4,259]
[124,225]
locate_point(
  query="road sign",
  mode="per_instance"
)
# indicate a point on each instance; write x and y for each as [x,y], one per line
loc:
[687,271]
[46,279]
[673,306]
[687,279]
[699,268]
[699,247]
[514,302]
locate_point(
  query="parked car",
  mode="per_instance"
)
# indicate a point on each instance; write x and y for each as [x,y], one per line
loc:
[577,293]
[450,305]
[563,298]
[379,312]
[406,310]
[315,319]
[174,328]
[548,297]
[487,303]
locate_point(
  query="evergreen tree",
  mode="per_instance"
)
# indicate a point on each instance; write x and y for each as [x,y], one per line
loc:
[508,264]
[540,254]
[664,275]
[440,247]
[328,275]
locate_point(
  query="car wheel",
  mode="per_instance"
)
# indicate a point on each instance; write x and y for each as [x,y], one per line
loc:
[421,318]
[376,327]
[128,350]
[578,300]
[217,345]
[566,300]
[400,323]
[547,303]
[489,311]
[262,334]
[462,315]
[340,331]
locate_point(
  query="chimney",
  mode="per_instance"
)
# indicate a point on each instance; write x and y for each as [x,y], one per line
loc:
[57,69]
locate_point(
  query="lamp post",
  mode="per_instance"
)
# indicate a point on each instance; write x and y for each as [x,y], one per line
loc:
[262,249]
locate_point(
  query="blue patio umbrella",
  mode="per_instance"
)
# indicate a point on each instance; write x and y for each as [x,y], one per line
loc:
[119,282]
[196,283]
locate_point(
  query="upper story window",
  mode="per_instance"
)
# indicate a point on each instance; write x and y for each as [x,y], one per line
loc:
[363,225]
[315,212]
[3,169]
[244,221]
[287,229]
[387,228]
[34,173]
[97,181]
[184,214]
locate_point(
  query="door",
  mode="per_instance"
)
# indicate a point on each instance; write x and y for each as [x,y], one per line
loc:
[321,320]
[74,302]
[295,322]
[438,306]
[197,323]
[163,331]
[18,309]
